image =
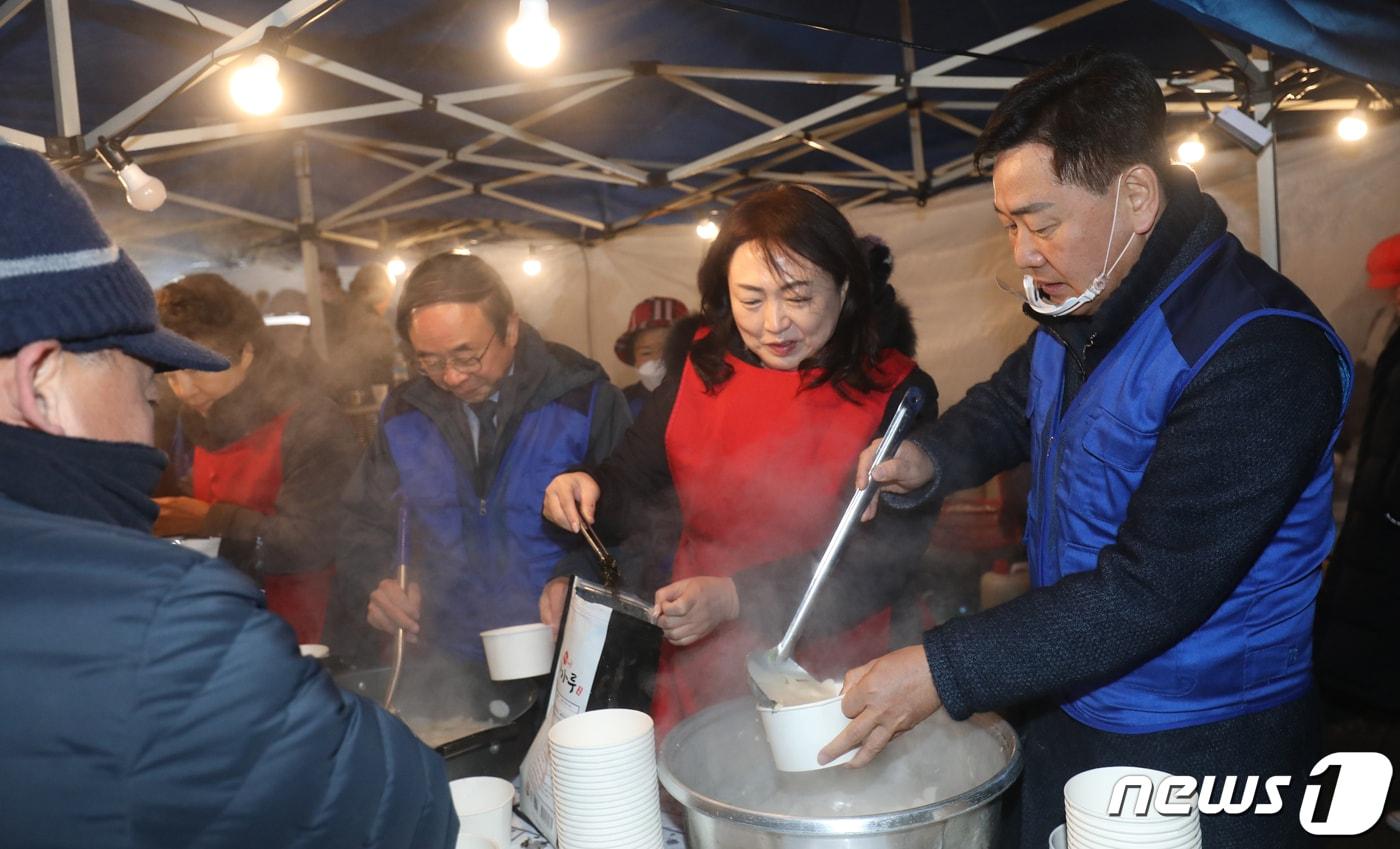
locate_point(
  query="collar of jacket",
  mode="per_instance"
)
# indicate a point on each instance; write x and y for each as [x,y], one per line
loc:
[1191,221]
[264,394]
[108,482]
[543,372]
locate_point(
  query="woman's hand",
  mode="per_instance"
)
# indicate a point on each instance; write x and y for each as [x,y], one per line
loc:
[569,498]
[180,517]
[690,609]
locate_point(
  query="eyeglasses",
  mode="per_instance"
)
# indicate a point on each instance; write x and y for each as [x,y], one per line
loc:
[460,363]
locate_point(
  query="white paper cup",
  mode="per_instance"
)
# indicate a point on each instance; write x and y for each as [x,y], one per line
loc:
[797,733]
[599,730]
[520,651]
[1090,792]
[315,650]
[208,546]
[483,806]
[1057,838]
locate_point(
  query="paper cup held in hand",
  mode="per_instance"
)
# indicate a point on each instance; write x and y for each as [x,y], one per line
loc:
[483,806]
[520,651]
[797,733]
[315,650]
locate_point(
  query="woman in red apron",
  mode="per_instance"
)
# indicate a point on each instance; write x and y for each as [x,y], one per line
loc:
[804,354]
[270,454]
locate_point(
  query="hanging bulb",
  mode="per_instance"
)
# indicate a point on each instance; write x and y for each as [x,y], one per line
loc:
[531,40]
[462,251]
[143,191]
[707,229]
[1191,151]
[254,86]
[396,267]
[1353,126]
[532,266]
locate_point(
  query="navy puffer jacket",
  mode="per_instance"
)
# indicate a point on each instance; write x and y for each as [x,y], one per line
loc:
[149,700]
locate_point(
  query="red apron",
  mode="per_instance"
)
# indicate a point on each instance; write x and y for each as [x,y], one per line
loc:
[763,471]
[248,473]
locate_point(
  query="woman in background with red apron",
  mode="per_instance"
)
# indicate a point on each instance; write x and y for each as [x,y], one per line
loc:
[803,356]
[270,454]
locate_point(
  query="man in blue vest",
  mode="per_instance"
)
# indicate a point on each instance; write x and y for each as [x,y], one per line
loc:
[456,474]
[1177,401]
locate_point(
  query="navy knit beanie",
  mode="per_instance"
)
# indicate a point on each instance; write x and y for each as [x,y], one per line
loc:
[62,278]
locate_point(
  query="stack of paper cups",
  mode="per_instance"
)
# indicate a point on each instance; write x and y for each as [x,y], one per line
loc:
[603,767]
[1115,807]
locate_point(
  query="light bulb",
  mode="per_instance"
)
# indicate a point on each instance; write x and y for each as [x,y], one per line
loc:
[531,40]
[143,191]
[396,267]
[532,267]
[1191,151]
[462,251]
[1353,127]
[254,86]
[707,229]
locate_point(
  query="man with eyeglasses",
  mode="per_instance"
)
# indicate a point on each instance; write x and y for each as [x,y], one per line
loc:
[453,482]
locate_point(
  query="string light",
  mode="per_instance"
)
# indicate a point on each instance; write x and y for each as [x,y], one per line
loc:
[1191,151]
[531,40]
[143,191]
[532,266]
[707,229]
[1353,126]
[396,267]
[254,86]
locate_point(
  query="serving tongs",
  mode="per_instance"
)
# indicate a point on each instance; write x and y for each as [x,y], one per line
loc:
[607,564]
[771,670]
[399,634]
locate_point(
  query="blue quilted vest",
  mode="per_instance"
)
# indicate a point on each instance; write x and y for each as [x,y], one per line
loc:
[484,558]
[1255,651]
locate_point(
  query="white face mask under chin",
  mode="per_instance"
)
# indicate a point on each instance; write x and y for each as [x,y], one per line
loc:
[1038,303]
[652,372]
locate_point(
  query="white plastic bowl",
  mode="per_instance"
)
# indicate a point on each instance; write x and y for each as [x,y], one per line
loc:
[520,651]
[797,733]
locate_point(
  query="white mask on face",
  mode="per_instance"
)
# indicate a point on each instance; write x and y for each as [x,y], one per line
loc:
[652,373]
[1044,307]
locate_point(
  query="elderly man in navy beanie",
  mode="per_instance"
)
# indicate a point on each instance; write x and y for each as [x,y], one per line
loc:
[149,698]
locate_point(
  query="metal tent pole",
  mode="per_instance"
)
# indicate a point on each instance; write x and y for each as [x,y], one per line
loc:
[310,260]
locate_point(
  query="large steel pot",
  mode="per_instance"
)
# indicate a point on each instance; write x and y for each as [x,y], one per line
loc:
[938,786]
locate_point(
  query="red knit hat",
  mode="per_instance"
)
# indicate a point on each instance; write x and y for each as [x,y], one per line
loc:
[1383,264]
[653,312]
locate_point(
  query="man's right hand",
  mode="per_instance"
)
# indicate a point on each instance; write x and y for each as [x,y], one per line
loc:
[569,498]
[909,469]
[390,608]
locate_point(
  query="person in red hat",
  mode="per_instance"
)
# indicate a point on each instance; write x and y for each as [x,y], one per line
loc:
[641,346]
[1357,632]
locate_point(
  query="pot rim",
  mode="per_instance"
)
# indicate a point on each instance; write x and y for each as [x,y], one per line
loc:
[882,823]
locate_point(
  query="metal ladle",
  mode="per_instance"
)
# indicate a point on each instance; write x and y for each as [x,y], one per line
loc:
[399,634]
[771,671]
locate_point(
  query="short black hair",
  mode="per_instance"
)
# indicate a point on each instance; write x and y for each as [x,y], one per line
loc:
[1099,112]
[449,278]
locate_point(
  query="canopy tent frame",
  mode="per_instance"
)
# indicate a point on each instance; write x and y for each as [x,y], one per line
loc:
[733,166]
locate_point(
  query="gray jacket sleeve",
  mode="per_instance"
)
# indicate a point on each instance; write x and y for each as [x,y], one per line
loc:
[983,434]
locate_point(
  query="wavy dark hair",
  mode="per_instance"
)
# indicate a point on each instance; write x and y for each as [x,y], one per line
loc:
[803,222]
[212,311]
